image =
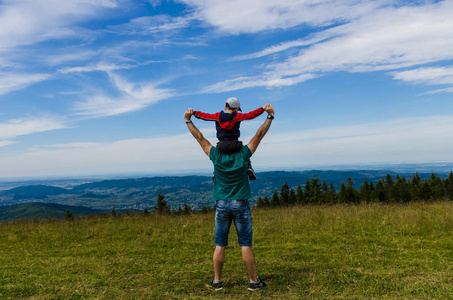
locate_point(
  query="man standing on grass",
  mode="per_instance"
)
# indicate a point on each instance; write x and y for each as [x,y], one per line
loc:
[231,192]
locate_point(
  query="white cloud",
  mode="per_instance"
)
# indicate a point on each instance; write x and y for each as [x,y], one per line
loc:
[15,81]
[152,25]
[155,3]
[104,67]
[69,56]
[24,22]
[237,16]
[75,145]
[18,127]
[431,76]
[6,143]
[391,141]
[387,38]
[134,155]
[265,80]
[287,45]
[134,96]
[438,91]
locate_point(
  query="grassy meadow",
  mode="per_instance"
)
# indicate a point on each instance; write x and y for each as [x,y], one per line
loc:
[370,251]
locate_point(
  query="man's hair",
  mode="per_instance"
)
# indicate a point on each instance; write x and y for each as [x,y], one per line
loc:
[228,106]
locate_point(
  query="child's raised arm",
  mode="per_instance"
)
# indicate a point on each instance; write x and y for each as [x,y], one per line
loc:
[206,116]
[251,114]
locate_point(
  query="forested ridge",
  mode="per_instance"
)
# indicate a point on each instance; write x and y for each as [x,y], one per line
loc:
[385,190]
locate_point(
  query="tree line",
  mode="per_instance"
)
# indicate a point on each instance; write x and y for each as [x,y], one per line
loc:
[163,208]
[385,190]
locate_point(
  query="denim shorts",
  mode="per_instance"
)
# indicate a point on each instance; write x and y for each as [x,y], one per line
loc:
[237,211]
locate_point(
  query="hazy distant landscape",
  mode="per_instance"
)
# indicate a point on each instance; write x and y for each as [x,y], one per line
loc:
[85,196]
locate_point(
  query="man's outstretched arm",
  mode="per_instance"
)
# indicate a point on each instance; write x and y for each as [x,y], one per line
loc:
[256,140]
[204,143]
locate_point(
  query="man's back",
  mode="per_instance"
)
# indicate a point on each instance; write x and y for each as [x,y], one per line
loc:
[231,192]
[230,178]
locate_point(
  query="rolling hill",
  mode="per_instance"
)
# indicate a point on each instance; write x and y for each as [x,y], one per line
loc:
[141,193]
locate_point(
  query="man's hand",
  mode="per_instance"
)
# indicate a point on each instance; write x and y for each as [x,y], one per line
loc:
[204,143]
[188,114]
[269,109]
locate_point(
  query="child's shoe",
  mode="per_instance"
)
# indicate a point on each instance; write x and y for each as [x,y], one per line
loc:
[250,172]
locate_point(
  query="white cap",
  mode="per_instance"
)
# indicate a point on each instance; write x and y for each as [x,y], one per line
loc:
[233,102]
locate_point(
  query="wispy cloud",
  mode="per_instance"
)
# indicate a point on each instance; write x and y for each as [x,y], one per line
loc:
[6,143]
[12,81]
[103,67]
[387,38]
[134,96]
[108,158]
[389,141]
[266,80]
[288,45]
[431,76]
[237,16]
[21,24]
[439,91]
[18,127]
[75,145]
[152,25]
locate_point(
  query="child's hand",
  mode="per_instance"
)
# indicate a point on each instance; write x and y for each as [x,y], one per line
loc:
[188,114]
[269,109]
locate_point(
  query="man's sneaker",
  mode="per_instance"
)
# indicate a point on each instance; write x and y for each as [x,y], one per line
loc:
[250,172]
[256,285]
[217,285]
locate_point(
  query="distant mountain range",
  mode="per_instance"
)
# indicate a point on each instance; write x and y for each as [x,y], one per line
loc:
[141,193]
[43,211]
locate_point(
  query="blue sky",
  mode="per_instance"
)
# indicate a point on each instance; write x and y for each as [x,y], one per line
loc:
[100,86]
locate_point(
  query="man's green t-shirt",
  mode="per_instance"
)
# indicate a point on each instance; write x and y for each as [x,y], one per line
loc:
[230,177]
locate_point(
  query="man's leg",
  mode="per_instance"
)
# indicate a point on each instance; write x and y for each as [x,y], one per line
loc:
[218,259]
[249,260]
[222,228]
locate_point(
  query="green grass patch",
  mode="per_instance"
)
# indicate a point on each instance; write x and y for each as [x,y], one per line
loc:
[371,251]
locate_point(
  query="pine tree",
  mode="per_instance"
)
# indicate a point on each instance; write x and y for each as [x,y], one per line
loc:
[315,190]
[146,212]
[299,195]
[415,185]
[324,191]
[69,215]
[307,192]
[292,197]
[266,201]
[380,192]
[187,210]
[331,196]
[284,195]
[401,190]
[260,202]
[343,194]
[449,186]
[275,200]
[113,212]
[372,192]
[425,190]
[365,191]
[162,207]
[352,193]
[436,186]
[179,211]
